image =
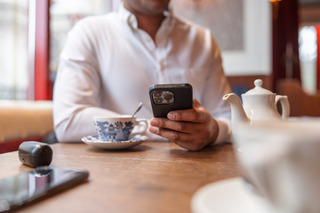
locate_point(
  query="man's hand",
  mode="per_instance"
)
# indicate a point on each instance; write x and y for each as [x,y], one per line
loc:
[192,129]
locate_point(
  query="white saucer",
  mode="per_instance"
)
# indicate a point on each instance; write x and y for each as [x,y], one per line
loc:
[229,196]
[95,142]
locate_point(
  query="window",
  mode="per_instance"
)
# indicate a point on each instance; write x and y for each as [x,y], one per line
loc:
[24,32]
[308,58]
[13,51]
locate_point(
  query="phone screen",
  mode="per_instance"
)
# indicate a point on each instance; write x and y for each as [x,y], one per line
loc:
[30,186]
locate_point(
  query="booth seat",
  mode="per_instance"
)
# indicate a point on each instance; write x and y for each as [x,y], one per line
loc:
[24,121]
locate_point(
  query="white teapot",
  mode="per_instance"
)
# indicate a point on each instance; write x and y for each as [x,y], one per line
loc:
[259,104]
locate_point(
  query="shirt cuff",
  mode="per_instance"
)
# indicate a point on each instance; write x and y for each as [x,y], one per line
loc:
[224,131]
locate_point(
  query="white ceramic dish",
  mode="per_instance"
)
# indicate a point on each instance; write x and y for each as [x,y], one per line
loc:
[228,196]
[95,142]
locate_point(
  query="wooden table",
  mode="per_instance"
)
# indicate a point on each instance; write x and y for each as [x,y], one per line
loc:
[151,177]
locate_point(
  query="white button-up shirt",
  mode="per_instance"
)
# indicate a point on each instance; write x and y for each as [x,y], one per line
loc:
[108,65]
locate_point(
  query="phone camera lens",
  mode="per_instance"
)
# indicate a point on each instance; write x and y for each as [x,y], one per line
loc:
[158,100]
[157,94]
[167,96]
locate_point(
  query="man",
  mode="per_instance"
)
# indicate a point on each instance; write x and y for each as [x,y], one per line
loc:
[110,61]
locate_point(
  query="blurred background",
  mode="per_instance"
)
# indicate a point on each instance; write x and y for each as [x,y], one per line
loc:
[269,39]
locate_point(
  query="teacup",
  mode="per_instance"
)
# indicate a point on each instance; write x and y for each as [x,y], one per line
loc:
[281,161]
[121,128]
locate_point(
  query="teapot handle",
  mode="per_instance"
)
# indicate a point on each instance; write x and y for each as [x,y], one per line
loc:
[284,105]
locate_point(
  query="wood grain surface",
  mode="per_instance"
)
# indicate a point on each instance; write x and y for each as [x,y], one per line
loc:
[151,177]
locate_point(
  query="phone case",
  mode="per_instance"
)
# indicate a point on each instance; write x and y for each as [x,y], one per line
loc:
[168,97]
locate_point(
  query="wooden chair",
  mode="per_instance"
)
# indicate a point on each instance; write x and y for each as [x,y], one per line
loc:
[301,103]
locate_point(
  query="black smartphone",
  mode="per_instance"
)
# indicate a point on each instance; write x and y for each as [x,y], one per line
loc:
[28,187]
[168,97]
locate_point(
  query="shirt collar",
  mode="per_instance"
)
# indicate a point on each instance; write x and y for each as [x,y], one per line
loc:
[130,18]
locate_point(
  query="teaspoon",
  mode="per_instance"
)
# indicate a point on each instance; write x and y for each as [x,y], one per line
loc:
[138,109]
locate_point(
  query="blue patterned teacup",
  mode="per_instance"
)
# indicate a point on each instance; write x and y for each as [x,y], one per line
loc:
[116,129]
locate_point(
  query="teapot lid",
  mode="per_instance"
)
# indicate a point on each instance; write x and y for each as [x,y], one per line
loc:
[258,90]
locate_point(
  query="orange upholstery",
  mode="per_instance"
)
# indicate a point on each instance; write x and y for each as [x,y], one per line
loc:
[23,120]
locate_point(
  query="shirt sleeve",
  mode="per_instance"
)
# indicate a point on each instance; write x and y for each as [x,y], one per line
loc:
[215,88]
[76,89]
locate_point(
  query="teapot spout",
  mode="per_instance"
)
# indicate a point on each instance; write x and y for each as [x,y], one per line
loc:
[238,114]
